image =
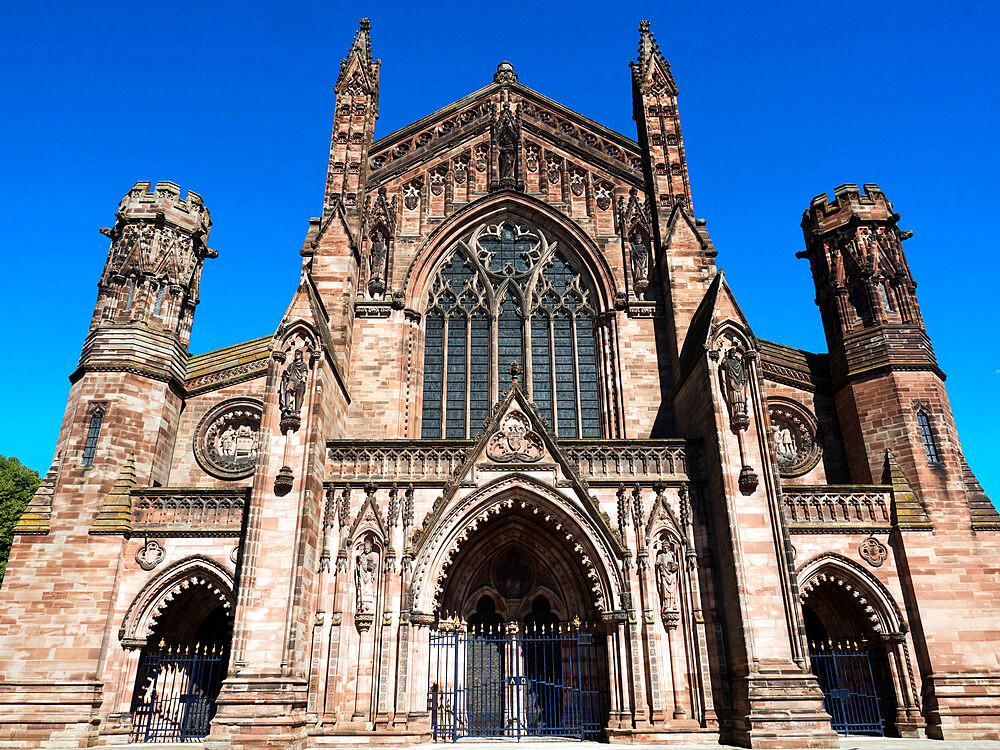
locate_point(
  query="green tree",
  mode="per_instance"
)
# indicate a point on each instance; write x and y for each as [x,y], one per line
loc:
[17,484]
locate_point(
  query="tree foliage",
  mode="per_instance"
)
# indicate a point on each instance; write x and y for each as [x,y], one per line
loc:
[17,484]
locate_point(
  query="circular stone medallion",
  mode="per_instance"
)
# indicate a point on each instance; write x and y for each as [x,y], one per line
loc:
[794,437]
[228,438]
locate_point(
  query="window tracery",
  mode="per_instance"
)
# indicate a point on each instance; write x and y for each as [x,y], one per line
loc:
[507,293]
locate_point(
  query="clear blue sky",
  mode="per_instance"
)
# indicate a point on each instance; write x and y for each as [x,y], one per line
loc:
[779,102]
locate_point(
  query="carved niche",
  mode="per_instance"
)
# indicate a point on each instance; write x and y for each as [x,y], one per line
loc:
[795,437]
[228,438]
[515,441]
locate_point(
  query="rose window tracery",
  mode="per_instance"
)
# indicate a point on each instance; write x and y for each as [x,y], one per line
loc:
[506,293]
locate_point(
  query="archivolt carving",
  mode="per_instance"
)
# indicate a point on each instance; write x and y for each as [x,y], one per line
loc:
[869,593]
[549,508]
[149,604]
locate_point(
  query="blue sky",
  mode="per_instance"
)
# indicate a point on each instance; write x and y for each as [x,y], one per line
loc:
[778,102]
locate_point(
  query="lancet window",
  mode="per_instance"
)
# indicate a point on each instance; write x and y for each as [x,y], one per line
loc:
[927,437]
[508,293]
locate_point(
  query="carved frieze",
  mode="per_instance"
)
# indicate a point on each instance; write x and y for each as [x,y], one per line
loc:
[228,438]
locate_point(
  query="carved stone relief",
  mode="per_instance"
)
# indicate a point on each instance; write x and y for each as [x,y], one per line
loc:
[795,437]
[873,552]
[228,438]
[150,554]
[515,441]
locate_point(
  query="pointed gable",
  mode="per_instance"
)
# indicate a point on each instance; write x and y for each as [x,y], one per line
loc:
[515,439]
[718,305]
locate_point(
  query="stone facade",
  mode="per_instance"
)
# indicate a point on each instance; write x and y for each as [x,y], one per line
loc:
[512,385]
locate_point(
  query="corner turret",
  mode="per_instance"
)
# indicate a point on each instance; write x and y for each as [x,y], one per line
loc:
[153,271]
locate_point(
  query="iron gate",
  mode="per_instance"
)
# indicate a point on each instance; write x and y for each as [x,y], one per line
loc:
[845,674]
[175,692]
[512,681]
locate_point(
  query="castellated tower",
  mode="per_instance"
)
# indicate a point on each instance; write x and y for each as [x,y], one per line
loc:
[898,429]
[118,431]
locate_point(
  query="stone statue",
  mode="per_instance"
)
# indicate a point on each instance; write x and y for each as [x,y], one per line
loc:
[735,375]
[640,261]
[784,444]
[227,442]
[666,579]
[293,384]
[506,158]
[365,568]
[376,262]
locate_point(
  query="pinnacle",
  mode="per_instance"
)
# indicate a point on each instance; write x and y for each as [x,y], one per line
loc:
[505,73]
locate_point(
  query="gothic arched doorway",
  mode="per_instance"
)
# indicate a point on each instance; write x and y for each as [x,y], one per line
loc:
[183,663]
[852,655]
[519,633]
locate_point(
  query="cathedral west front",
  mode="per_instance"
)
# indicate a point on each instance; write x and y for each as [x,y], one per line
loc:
[513,464]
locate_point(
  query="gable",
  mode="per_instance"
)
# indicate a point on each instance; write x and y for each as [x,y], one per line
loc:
[546,125]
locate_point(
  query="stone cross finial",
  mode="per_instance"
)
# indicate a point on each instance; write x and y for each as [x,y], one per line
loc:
[514,370]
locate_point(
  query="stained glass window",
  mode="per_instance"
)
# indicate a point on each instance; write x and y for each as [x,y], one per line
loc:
[507,293]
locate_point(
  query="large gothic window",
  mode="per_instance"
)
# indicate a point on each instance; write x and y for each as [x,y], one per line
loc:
[507,293]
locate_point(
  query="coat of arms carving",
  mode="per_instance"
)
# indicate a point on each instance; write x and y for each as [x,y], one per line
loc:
[514,440]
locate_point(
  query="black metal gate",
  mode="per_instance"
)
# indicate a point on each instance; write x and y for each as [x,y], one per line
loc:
[175,692]
[844,672]
[516,681]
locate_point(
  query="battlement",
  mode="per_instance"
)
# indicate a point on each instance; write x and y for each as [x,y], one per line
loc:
[164,200]
[848,204]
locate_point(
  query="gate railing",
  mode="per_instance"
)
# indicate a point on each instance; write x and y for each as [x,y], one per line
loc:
[174,699]
[844,672]
[515,681]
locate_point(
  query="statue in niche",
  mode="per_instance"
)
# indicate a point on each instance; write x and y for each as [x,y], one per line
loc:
[293,384]
[640,261]
[735,375]
[365,568]
[376,262]
[666,579]
[505,161]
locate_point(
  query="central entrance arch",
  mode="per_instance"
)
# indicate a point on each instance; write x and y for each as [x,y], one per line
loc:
[520,650]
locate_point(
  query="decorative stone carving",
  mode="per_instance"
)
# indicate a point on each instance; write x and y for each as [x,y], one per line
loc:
[377,254]
[292,388]
[795,437]
[639,250]
[515,441]
[228,438]
[577,182]
[873,552]
[734,375]
[366,568]
[603,193]
[150,554]
[666,569]
[411,194]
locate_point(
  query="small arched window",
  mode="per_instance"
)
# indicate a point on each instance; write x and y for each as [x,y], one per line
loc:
[507,293]
[927,437]
[93,433]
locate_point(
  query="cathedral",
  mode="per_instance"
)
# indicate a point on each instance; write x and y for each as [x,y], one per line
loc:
[512,464]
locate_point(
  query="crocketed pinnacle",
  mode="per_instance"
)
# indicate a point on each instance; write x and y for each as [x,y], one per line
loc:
[361,51]
[649,56]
